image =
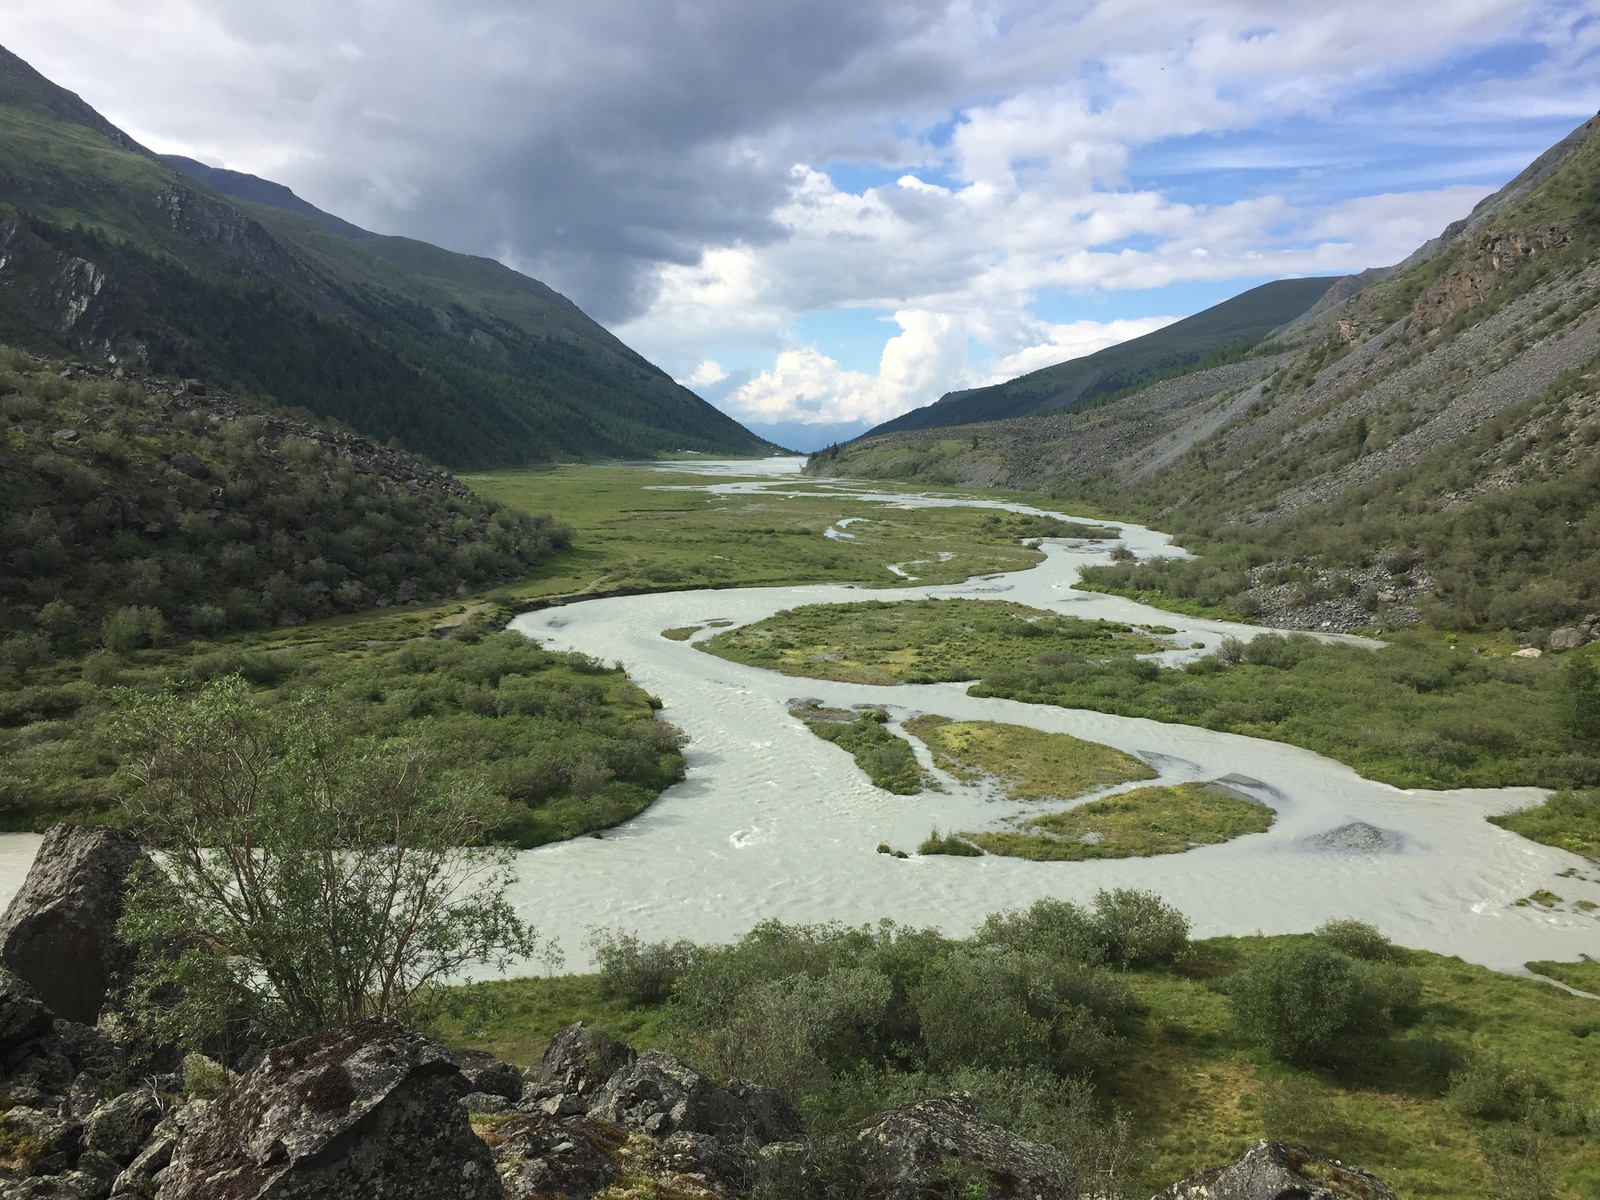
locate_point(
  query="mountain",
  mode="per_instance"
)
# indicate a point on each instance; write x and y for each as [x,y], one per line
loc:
[1220,332]
[1424,446]
[112,253]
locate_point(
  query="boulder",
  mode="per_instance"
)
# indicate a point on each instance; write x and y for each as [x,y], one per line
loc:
[1567,639]
[486,1073]
[659,1095]
[546,1156]
[23,1016]
[1276,1171]
[60,932]
[928,1145]
[120,1127]
[368,1110]
[577,1063]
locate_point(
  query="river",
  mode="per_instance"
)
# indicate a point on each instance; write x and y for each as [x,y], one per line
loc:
[773,822]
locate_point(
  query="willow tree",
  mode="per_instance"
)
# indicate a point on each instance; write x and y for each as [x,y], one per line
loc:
[305,878]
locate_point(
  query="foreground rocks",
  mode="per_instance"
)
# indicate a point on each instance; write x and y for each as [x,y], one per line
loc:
[373,1110]
[933,1145]
[1275,1171]
[369,1110]
[60,932]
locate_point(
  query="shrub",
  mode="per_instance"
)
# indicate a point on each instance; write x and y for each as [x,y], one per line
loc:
[1492,1089]
[1034,1013]
[1139,928]
[635,971]
[1308,1004]
[25,651]
[308,878]
[130,629]
[1057,929]
[1358,939]
[950,843]
[785,1033]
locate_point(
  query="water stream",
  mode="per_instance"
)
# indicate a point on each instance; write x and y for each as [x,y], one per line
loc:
[772,822]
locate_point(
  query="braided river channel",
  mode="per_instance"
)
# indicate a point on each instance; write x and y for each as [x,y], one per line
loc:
[773,822]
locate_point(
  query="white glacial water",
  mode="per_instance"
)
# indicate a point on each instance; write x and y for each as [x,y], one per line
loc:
[772,822]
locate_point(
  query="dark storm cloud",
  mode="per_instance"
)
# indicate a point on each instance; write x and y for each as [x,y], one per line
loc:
[589,142]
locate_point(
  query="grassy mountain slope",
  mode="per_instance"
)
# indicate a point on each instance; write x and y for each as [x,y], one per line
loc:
[112,253]
[1427,449]
[1212,336]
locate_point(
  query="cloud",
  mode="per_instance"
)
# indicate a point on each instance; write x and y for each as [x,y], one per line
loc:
[701,175]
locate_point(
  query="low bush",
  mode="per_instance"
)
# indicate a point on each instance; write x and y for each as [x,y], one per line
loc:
[1309,1004]
[1492,1089]
[1358,939]
[635,971]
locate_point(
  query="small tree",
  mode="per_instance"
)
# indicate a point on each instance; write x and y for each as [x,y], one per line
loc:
[129,629]
[1580,700]
[1308,1004]
[312,879]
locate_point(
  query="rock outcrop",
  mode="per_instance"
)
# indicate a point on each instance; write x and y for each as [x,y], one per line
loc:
[60,932]
[1275,1171]
[549,1156]
[369,1110]
[660,1096]
[928,1145]
[576,1065]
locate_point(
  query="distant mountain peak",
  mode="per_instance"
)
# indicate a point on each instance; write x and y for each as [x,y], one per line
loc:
[263,191]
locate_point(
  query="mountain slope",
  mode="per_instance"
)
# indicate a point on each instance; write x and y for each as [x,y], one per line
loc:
[1428,448]
[1211,334]
[115,254]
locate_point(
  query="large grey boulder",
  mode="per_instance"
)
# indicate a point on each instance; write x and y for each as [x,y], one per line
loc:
[658,1095]
[928,1144]
[60,932]
[577,1064]
[1276,1171]
[365,1111]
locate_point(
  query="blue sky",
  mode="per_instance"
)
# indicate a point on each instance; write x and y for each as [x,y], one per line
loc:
[831,211]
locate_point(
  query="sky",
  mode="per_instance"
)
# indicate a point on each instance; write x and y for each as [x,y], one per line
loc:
[819,214]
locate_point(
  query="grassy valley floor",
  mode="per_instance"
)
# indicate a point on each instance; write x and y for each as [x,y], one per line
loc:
[922,641]
[634,530]
[1135,824]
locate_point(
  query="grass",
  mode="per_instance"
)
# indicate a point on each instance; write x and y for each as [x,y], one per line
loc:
[1583,974]
[681,633]
[1136,824]
[1569,820]
[1419,713]
[920,641]
[886,758]
[1196,1092]
[636,529]
[952,844]
[1028,764]
[570,745]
